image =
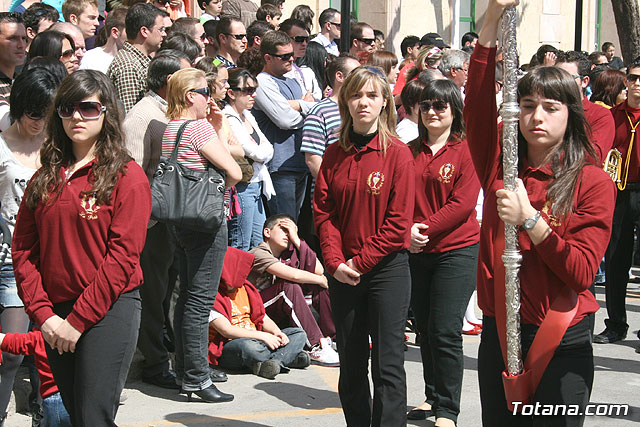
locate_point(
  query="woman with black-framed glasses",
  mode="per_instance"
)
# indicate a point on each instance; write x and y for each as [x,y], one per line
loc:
[245,229]
[76,249]
[444,246]
[201,253]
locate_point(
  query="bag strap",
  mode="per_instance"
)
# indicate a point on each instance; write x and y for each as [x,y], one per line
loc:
[561,312]
[174,153]
[233,116]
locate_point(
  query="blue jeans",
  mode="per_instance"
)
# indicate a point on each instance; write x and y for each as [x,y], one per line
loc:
[245,229]
[600,275]
[8,289]
[55,414]
[201,257]
[244,352]
[290,188]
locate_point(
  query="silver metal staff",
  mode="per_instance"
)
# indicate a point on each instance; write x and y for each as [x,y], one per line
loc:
[511,256]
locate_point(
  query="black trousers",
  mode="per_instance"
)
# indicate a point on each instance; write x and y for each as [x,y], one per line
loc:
[441,285]
[619,256]
[567,380]
[156,260]
[376,307]
[91,379]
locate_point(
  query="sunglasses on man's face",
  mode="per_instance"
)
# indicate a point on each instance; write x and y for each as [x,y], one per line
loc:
[438,106]
[301,39]
[631,78]
[284,56]
[368,41]
[337,24]
[249,90]
[237,36]
[89,110]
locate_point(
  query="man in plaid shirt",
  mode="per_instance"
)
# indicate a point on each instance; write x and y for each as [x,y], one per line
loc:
[144,24]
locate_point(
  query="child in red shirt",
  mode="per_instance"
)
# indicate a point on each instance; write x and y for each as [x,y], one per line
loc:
[32,343]
[363,205]
[241,334]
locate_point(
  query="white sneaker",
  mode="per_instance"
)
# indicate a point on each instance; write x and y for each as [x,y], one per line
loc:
[322,354]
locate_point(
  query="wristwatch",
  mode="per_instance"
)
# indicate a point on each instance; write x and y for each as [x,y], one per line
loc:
[529,223]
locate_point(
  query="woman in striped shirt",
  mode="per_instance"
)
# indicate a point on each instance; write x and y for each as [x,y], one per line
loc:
[201,253]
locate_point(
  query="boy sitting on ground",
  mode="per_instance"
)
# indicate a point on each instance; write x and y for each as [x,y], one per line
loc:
[241,335]
[286,269]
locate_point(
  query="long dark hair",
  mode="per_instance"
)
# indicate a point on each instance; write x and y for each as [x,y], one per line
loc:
[237,78]
[575,151]
[110,152]
[441,90]
[49,44]
[33,84]
[315,58]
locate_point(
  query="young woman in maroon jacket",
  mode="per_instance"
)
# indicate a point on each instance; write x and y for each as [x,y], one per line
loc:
[363,206]
[564,203]
[444,246]
[76,247]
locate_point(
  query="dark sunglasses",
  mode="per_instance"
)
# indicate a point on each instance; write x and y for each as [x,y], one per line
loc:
[35,116]
[335,23]
[631,78]
[249,90]
[438,106]
[301,39]
[237,36]
[89,110]
[284,56]
[204,91]
[367,41]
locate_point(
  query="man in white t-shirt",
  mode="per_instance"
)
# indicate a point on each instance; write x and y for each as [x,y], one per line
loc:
[100,58]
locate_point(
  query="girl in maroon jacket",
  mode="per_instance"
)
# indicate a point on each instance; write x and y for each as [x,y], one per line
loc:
[76,247]
[444,246]
[363,206]
[564,205]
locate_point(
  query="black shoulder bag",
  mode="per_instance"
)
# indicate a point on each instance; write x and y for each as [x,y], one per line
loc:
[185,197]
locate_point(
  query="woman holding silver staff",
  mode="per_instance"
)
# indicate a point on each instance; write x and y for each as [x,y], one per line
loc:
[563,206]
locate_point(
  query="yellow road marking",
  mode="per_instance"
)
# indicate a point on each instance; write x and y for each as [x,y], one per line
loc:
[329,375]
[202,419]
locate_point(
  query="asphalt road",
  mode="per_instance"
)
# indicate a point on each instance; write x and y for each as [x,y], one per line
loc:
[309,397]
